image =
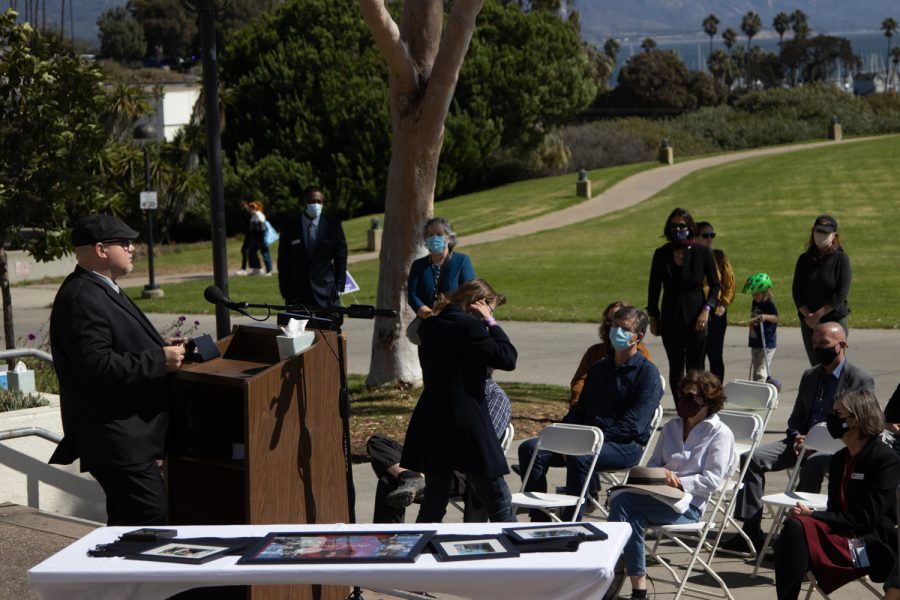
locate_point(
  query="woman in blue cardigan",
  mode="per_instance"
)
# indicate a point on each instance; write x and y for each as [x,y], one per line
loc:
[439,272]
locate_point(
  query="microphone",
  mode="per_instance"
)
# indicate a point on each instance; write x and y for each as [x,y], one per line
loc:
[214,295]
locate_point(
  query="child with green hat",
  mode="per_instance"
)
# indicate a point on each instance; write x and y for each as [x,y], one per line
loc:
[763,325]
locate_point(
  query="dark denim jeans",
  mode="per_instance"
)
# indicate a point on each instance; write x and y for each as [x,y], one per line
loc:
[492,491]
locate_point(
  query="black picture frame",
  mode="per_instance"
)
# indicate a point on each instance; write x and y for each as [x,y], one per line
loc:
[472,547]
[317,547]
[182,552]
[586,532]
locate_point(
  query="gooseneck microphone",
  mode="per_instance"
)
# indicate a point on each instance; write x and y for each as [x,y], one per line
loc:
[215,295]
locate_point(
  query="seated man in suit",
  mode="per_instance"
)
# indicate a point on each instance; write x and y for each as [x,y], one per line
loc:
[312,256]
[818,388]
[620,396]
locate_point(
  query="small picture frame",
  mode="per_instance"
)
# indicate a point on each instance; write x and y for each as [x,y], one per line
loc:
[581,531]
[472,547]
[314,547]
[180,552]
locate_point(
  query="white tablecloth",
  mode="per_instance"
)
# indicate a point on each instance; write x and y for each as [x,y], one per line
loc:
[71,574]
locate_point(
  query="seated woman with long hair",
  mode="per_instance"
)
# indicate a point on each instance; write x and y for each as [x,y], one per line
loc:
[450,429]
[861,510]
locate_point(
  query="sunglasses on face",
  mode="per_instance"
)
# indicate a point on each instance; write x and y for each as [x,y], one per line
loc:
[708,236]
[123,243]
[678,225]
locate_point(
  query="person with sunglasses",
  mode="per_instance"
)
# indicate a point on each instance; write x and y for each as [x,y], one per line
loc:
[856,533]
[696,451]
[114,374]
[718,319]
[678,271]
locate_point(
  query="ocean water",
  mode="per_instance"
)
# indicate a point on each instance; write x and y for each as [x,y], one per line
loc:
[871,47]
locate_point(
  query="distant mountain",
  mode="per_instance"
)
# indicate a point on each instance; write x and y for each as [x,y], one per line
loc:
[601,19]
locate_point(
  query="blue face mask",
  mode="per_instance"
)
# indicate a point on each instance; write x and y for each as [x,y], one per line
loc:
[620,338]
[682,234]
[313,210]
[436,244]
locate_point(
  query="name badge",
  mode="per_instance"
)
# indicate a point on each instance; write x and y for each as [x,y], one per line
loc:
[295,242]
[859,476]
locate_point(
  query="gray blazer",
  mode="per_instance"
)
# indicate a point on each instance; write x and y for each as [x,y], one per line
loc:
[852,378]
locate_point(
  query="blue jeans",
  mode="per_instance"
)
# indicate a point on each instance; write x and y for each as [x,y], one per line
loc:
[259,246]
[612,456]
[492,491]
[641,510]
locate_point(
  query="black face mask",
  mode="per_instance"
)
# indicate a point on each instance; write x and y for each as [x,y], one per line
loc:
[826,356]
[837,426]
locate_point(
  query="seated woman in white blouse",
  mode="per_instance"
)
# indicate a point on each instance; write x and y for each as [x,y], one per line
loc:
[696,450]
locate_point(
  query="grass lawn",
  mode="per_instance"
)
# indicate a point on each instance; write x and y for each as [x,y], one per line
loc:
[385,410]
[762,209]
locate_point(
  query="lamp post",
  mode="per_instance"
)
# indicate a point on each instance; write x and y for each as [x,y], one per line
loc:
[206,13]
[145,133]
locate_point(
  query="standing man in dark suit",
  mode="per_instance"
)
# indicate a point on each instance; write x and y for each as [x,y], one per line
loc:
[819,386]
[114,376]
[312,256]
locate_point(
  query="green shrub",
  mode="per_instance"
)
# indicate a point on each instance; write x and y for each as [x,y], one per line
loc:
[16,400]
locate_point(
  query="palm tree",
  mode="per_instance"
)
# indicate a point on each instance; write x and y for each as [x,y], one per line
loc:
[648,44]
[895,58]
[729,37]
[889,27]
[751,23]
[722,67]
[711,27]
[800,24]
[781,23]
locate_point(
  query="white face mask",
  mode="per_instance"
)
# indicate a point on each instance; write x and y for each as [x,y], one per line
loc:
[823,240]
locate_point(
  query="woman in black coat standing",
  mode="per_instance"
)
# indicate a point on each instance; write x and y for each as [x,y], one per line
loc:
[678,271]
[450,429]
[822,282]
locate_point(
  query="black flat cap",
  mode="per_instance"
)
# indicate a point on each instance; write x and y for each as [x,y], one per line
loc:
[100,228]
[825,224]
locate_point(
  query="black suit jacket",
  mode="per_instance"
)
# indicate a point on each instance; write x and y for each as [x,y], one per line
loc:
[870,494]
[852,378]
[314,279]
[450,428]
[682,294]
[115,392]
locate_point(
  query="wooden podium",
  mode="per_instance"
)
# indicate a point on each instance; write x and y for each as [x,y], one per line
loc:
[265,442]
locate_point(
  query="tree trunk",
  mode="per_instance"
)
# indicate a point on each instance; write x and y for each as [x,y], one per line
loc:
[9,333]
[62,19]
[424,68]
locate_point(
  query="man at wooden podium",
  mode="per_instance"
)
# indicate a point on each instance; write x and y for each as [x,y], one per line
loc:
[312,256]
[114,376]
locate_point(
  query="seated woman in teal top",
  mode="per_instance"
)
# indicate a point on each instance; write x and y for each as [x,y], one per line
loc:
[439,272]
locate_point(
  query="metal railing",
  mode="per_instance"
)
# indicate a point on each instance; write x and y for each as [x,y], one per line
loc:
[21,432]
[25,353]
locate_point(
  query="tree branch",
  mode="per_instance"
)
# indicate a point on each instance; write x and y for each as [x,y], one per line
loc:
[390,44]
[448,62]
[421,28]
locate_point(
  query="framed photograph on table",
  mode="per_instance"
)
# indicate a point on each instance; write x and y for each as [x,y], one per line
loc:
[180,552]
[472,547]
[585,532]
[333,547]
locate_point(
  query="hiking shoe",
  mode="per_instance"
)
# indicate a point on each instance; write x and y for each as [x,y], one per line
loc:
[412,489]
[241,272]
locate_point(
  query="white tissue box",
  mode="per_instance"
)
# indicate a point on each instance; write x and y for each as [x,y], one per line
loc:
[289,346]
[21,380]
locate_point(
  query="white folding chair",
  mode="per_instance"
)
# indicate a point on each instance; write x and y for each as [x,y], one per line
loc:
[752,395]
[619,476]
[570,440]
[748,430]
[819,440]
[691,537]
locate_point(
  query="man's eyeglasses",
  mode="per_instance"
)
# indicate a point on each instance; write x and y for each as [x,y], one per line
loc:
[708,236]
[126,244]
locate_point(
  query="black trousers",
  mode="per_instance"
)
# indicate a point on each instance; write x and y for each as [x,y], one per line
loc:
[685,349]
[135,494]
[715,344]
[791,560]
